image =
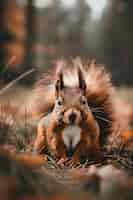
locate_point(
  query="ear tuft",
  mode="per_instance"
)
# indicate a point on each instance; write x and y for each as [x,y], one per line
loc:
[59,85]
[82,83]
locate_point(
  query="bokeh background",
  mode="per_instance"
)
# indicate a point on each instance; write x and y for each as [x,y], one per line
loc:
[33,33]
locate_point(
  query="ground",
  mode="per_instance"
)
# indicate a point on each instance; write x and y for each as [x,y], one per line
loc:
[105,181]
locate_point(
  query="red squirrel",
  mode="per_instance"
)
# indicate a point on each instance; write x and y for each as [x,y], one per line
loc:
[83,115]
[80,119]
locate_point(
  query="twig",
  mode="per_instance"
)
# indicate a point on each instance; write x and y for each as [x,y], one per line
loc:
[16,80]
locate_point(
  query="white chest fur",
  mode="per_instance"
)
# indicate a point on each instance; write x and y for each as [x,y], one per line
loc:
[71,136]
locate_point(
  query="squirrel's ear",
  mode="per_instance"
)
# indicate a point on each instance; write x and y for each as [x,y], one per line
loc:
[82,83]
[59,85]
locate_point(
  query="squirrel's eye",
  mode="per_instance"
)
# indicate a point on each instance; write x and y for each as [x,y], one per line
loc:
[60,102]
[84,101]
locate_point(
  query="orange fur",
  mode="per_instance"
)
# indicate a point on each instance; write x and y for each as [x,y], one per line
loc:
[99,95]
[127,140]
[127,134]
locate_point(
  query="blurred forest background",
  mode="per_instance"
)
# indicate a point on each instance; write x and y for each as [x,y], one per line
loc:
[33,33]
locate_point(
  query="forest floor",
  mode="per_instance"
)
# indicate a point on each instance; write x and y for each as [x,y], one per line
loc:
[97,182]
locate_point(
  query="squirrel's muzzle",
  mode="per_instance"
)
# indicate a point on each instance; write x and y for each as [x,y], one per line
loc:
[72,116]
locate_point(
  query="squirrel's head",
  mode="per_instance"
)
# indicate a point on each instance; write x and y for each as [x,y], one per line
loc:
[71,102]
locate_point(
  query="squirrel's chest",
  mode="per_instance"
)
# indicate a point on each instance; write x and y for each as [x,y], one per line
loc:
[71,135]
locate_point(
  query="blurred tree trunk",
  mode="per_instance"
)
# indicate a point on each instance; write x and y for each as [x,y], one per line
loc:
[118,45]
[2,30]
[30,34]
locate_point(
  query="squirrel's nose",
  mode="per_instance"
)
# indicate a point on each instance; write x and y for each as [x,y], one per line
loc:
[72,117]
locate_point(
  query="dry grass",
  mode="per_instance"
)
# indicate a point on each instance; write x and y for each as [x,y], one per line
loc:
[16,95]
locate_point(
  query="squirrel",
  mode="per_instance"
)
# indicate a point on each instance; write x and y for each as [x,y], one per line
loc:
[77,112]
[82,117]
